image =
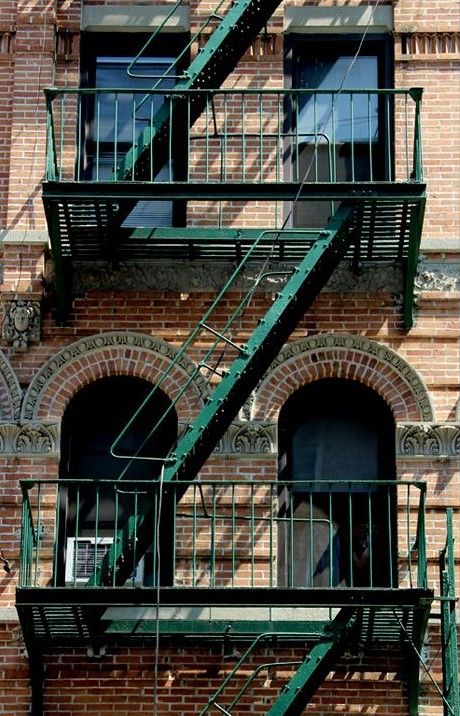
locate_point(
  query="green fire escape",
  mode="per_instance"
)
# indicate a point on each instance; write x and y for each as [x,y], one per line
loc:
[92,217]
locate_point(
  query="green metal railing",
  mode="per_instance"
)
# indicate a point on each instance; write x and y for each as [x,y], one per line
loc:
[228,534]
[451,688]
[248,135]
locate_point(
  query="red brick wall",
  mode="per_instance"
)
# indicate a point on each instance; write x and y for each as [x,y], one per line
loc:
[122,681]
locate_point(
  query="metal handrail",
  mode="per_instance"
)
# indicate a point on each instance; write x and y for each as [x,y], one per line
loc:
[219,527]
[176,111]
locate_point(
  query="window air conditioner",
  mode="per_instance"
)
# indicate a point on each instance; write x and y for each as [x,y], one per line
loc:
[79,565]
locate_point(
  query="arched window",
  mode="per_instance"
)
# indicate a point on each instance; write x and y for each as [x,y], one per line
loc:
[337,526]
[92,512]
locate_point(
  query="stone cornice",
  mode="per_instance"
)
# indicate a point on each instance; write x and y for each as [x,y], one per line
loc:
[184,276]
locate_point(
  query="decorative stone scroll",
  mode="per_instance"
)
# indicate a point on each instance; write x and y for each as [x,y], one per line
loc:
[29,439]
[21,323]
[428,440]
[249,438]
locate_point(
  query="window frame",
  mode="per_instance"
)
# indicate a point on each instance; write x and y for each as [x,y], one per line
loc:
[339,44]
[127,45]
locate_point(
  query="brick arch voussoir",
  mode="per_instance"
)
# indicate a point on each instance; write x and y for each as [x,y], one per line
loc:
[10,391]
[350,357]
[108,355]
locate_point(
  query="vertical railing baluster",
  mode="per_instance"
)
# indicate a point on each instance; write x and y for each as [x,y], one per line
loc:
[422,574]
[252,527]
[77,532]
[279,146]
[206,139]
[334,158]
[175,535]
[371,542]
[98,130]
[38,533]
[79,157]
[133,136]
[96,534]
[409,545]
[270,536]
[233,535]
[243,136]
[115,136]
[156,576]
[152,124]
[112,567]
[170,137]
[350,534]
[194,527]
[315,125]
[261,141]
[291,538]
[295,98]
[311,533]
[389,172]
[369,132]
[57,521]
[352,135]
[331,540]
[136,509]
[213,539]
[390,536]
[61,136]
[189,132]
[406,132]
[225,140]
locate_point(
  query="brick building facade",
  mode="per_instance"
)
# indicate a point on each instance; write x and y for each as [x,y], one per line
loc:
[146,217]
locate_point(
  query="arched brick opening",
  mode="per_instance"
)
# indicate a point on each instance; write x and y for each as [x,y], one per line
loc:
[110,354]
[10,391]
[341,356]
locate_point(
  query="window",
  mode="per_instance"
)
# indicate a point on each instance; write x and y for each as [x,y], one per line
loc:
[337,431]
[93,419]
[114,121]
[339,136]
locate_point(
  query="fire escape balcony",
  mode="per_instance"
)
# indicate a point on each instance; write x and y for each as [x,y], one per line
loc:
[225,557]
[201,174]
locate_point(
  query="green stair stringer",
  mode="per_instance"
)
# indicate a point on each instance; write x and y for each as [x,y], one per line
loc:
[299,690]
[212,65]
[193,449]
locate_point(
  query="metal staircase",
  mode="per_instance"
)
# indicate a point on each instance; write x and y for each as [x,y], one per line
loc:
[250,363]
[311,671]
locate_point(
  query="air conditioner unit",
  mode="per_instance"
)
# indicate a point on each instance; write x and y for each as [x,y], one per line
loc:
[81,552]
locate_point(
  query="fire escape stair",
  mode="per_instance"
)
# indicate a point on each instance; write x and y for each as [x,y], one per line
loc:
[213,63]
[236,385]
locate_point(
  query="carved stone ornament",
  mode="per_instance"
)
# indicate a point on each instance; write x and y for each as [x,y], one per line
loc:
[21,323]
[364,345]
[438,276]
[185,276]
[29,439]
[249,438]
[88,345]
[10,391]
[428,440]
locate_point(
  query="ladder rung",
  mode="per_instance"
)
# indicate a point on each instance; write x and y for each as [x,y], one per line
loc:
[213,370]
[223,338]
